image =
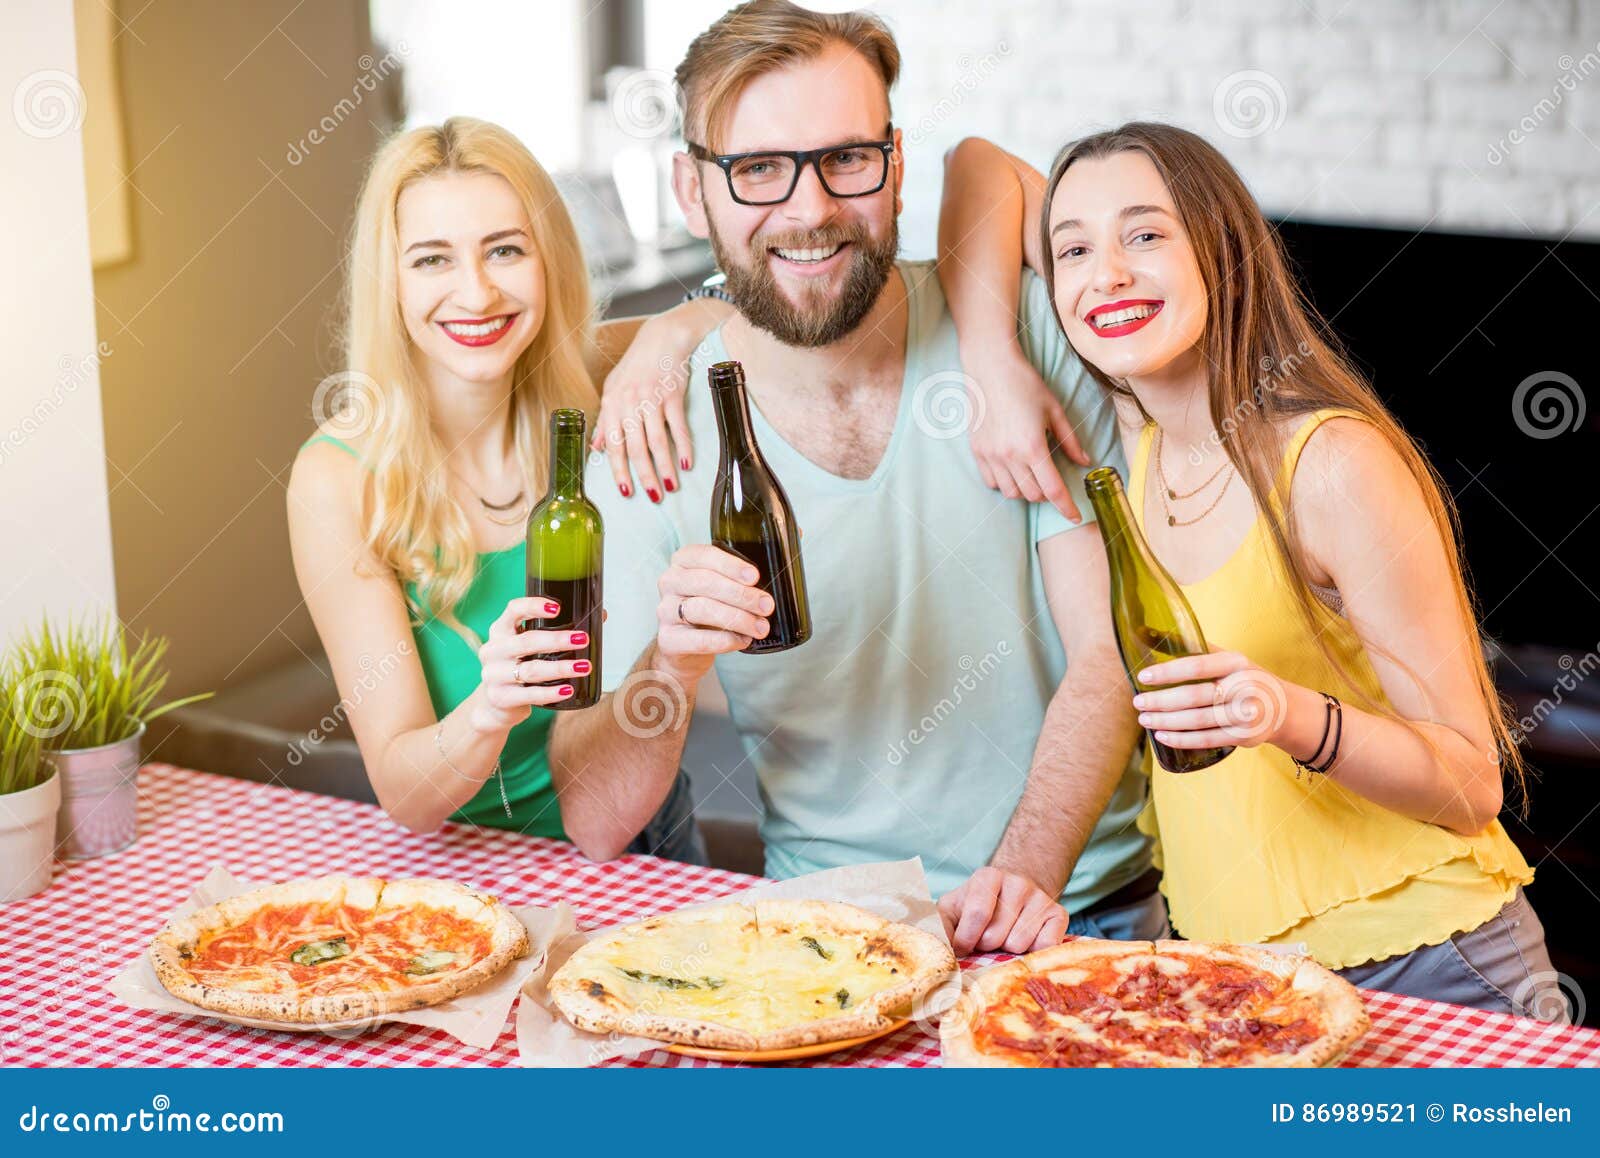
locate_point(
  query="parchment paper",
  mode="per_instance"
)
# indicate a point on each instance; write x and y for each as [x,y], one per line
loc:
[474,1018]
[895,890]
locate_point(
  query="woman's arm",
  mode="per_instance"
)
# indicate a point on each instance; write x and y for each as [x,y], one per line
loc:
[361,617]
[988,225]
[644,364]
[1364,522]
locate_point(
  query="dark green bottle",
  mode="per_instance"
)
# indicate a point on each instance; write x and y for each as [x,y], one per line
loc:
[1154,621]
[566,547]
[751,517]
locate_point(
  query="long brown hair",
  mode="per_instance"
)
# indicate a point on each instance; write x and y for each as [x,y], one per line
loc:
[1272,357]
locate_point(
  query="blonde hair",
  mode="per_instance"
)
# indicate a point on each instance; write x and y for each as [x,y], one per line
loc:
[1260,317]
[410,521]
[761,37]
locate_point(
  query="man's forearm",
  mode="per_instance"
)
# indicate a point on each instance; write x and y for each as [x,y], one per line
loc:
[1089,733]
[981,222]
[613,764]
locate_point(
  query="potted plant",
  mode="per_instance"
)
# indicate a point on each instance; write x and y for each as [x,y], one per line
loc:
[30,795]
[90,700]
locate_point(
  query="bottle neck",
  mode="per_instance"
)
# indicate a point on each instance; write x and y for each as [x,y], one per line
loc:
[567,453]
[732,407]
[1124,543]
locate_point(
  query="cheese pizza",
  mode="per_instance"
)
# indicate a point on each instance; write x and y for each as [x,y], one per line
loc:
[336,949]
[770,975]
[1165,1003]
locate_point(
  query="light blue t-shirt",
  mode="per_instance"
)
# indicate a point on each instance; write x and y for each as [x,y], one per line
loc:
[906,725]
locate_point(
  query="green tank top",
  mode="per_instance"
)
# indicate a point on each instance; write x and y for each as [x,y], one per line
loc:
[452,671]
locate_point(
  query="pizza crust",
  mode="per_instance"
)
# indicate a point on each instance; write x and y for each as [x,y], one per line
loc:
[760,955]
[354,999]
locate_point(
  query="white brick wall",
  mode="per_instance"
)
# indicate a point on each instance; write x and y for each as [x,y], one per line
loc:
[1476,115]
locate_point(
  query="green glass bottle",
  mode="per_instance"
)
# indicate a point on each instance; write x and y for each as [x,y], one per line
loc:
[566,547]
[1154,621]
[751,517]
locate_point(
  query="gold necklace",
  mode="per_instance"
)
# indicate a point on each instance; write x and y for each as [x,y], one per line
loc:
[1167,491]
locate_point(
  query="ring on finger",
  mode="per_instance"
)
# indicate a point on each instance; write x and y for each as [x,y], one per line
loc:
[516,674]
[682,618]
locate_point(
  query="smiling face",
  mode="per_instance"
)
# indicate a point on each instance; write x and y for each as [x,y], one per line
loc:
[809,269]
[471,285]
[1126,282]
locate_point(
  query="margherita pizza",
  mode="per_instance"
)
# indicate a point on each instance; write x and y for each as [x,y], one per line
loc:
[769,975]
[336,949]
[1166,1003]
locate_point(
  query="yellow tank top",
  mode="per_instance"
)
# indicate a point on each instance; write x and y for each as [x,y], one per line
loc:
[1250,852]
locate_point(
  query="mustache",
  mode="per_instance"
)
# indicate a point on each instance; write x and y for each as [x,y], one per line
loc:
[828,235]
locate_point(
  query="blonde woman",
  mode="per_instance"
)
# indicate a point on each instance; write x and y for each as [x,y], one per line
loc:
[468,323]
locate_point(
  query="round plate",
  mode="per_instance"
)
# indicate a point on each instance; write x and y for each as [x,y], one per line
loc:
[816,1049]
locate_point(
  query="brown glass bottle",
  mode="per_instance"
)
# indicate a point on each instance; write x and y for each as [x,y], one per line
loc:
[751,516]
[1154,621]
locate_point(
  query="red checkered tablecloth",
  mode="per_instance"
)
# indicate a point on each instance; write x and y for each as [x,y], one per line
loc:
[62,946]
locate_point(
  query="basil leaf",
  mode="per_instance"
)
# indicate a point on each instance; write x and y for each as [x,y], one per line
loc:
[673,982]
[316,952]
[431,961]
[816,947]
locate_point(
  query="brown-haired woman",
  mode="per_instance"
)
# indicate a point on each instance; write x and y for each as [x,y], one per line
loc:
[1320,552]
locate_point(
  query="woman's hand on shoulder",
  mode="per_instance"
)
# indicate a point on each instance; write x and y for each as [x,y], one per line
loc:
[642,426]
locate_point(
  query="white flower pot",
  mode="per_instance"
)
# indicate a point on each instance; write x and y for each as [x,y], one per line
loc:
[28,839]
[99,797]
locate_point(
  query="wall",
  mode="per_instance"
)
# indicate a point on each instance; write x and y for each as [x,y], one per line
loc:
[55,535]
[244,165]
[1475,115]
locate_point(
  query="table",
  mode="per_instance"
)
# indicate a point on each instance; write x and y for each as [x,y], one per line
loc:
[63,945]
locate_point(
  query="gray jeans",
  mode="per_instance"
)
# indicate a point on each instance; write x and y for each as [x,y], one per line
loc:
[672,832]
[1502,965]
[1142,920]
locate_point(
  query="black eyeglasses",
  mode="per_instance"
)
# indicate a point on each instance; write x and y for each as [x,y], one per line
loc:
[769,176]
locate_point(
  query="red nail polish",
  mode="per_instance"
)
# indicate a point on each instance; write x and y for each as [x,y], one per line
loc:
[654,497]
[579,638]
[565,690]
[551,608]
[581,667]
[670,485]
[627,491]
[684,463]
